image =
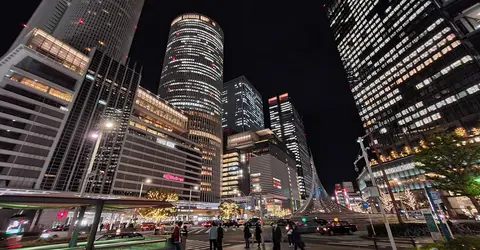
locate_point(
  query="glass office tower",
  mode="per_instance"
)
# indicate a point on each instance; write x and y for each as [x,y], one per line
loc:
[242,106]
[192,80]
[409,68]
[287,124]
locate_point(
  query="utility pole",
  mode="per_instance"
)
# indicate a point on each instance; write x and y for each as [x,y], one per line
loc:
[374,182]
[385,178]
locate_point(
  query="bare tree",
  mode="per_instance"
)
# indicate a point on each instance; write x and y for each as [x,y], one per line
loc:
[386,202]
[409,199]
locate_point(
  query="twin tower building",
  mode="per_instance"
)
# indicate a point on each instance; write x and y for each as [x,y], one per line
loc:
[68,74]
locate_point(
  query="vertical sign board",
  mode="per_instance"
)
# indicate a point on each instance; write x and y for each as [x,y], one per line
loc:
[432,225]
[436,197]
[348,186]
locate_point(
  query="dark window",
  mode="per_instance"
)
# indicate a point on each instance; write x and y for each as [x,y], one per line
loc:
[46,72]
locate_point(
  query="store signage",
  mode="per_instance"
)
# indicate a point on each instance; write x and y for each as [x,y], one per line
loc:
[173,177]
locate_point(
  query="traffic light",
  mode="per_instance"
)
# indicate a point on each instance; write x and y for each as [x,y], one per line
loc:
[304,219]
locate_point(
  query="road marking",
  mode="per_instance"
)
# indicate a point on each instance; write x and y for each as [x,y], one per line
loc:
[201,245]
[208,231]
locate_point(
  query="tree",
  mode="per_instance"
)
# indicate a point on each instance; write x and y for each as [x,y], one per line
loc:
[228,208]
[159,213]
[408,198]
[386,202]
[450,162]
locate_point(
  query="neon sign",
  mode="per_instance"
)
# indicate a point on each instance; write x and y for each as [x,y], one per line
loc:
[173,177]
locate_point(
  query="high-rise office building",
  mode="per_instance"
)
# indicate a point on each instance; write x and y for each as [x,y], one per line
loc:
[107,94]
[47,16]
[287,124]
[259,163]
[409,70]
[157,152]
[40,79]
[192,80]
[108,25]
[242,106]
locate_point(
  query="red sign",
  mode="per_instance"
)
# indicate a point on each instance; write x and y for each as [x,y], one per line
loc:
[173,177]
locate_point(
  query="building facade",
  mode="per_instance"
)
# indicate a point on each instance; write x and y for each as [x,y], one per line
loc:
[409,68]
[257,164]
[242,106]
[287,124]
[107,94]
[192,80]
[47,16]
[157,152]
[108,25]
[40,79]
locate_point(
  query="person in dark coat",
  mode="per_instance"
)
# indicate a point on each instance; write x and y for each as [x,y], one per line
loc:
[219,236]
[258,234]
[297,239]
[247,234]
[276,237]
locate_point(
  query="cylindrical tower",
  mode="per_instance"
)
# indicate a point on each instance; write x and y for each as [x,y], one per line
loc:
[108,25]
[192,79]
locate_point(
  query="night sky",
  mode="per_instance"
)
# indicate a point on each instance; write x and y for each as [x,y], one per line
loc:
[279,46]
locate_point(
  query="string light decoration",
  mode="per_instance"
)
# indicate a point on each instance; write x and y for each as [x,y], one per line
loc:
[159,213]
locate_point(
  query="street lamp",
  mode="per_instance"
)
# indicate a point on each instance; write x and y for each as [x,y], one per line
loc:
[141,187]
[73,229]
[190,200]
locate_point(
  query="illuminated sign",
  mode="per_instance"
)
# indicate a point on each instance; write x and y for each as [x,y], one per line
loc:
[165,142]
[173,177]
[272,99]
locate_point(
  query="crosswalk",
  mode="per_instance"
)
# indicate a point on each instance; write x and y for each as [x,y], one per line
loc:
[202,245]
[206,230]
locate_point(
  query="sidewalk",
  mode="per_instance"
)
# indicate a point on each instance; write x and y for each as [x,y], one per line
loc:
[284,246]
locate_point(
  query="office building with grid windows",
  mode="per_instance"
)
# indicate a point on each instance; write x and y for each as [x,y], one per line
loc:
[40,80]
[242,106]
[287,124]
[107,93]
[192,80]
[157,151]
[409,68]
[108,25]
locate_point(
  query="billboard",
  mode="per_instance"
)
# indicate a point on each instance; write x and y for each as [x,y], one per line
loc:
[348,185]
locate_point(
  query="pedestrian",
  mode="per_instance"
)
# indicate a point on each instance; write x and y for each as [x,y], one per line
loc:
[297,239]
[101,227]
[290,235]
[219,236]
[176,236]
[258,234]
[247,234]
[213,237]
[276,237]
[185,231]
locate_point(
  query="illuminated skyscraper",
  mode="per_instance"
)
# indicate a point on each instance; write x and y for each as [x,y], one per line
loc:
[287,124]
[108,25]
[242,106]
[192,80]
[47,16]
[410,68]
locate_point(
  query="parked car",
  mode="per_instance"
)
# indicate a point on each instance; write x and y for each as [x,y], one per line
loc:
[207,223]
[231,223]
[147,226]
[130,235]
[337,227]
[253,221]
[283,222]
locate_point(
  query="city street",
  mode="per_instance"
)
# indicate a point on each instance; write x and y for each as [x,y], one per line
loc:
[233,239]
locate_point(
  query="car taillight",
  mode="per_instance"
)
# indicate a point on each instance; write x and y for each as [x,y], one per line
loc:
[356,227]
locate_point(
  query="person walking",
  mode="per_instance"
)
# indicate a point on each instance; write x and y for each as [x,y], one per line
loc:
[213,235]
[219,236]
[176,236]
[297,239]
[276,237]
[258,234]
[290,235]
[247,234]
[101,227]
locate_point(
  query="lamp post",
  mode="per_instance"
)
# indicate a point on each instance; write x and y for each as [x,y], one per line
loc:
[141,187]
[73,229]
[190,200]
